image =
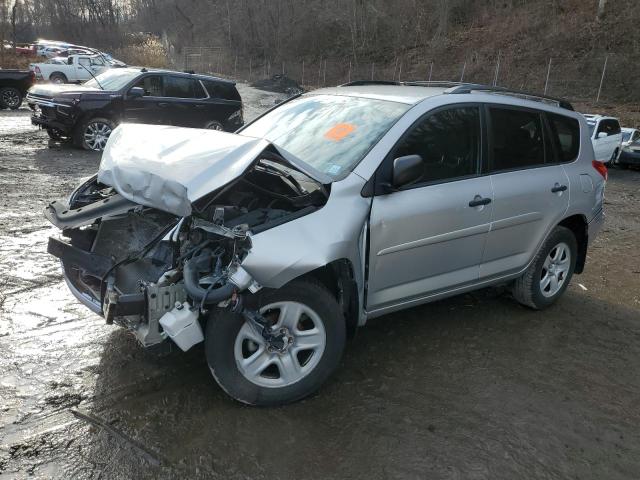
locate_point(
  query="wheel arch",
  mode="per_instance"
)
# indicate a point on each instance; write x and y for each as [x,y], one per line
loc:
[580,228]
[339,278]
[58,73]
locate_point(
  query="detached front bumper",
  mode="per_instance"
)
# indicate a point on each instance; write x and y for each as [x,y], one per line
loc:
[95,266]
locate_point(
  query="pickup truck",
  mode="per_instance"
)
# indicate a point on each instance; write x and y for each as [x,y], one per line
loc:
[13,87]
[78,68]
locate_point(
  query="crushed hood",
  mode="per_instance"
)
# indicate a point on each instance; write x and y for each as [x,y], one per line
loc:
[168,168]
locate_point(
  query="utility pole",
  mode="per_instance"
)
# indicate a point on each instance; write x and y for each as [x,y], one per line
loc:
[604,69]
[14,12]
[495,77]
[546,82]
[602,4]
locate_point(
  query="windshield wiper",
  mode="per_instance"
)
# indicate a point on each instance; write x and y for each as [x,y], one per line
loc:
[94,77]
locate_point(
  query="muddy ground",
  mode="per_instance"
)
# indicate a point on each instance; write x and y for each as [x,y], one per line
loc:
[475,387]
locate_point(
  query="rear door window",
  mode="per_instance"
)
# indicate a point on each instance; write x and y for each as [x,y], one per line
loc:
[182,87]
[566,136]
[516,139]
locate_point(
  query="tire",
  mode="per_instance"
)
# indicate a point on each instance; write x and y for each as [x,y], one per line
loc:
[214,125]
[613,161]
[96,126]
[58,78]
[529,290]
[10,98]
[227,345]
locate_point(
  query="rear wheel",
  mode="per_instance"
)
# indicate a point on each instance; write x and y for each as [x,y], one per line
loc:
[309,337]
[58,78]
[93,133]
[10,98]
[214,125]
[549,274]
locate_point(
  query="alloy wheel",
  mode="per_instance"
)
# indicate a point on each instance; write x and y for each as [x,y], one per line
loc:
[555,269]
[11,98]
[304,337]
[96,135]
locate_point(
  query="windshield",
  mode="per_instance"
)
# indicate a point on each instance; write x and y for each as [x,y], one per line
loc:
[113,79]
[592,126]
[626,136]
[329,132]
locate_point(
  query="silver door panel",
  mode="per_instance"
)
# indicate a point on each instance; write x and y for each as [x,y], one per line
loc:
[524,212]
[426,239]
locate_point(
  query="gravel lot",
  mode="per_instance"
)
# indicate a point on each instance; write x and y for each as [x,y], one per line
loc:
[474,387]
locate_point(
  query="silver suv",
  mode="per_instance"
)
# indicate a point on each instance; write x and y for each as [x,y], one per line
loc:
[270,245]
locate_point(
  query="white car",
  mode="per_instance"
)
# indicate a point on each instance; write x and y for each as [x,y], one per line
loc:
[50,52]
[606,137]
[78,68]
[629,136]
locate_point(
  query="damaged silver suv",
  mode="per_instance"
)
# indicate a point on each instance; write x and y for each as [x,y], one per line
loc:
[270,245]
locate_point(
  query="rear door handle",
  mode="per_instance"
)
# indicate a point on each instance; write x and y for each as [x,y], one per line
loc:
[558,188]
[200,105]
[163,104]
[478,201]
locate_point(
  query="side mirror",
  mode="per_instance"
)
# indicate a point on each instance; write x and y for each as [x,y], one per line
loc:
[602,135]
[407,170]
[136,92]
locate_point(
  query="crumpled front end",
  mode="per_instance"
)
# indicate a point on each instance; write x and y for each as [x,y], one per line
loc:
[156,269]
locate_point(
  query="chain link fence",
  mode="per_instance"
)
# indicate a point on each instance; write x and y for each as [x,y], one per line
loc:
[609,77]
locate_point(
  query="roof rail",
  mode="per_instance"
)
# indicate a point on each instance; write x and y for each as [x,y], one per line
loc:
[360,83]
[461,88]
[473,87]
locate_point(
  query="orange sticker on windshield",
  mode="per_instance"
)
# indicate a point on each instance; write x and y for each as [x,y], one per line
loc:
[340,131]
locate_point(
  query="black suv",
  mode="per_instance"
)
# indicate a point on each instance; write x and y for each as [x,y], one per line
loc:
[88,113]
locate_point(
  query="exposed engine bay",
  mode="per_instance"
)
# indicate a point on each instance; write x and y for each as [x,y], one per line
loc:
[157,273]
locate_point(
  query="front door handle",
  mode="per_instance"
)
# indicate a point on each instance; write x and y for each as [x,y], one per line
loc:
[478,201]
[163,104]
[558,188]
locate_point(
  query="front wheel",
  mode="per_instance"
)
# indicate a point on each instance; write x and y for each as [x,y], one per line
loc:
[549,274]
[93,134]
[10,98]
[309,337]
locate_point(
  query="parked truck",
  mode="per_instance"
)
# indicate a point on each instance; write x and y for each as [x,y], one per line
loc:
[13,87]
[78,68]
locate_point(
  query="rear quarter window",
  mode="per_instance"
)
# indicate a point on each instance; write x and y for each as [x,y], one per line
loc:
[566,136]
[226,91]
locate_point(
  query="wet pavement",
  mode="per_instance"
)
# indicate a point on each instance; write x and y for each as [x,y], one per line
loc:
[474,387]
